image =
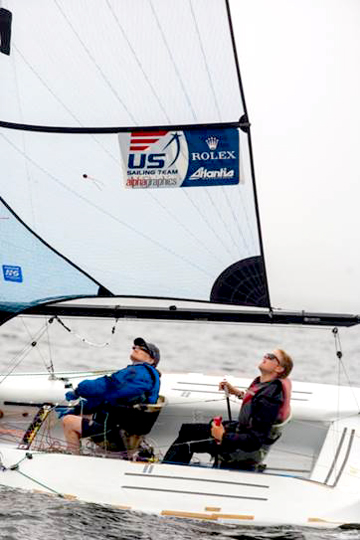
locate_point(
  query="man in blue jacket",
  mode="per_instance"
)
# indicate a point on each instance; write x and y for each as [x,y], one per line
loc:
[137,383]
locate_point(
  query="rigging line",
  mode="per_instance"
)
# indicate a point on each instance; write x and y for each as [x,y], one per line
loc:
[137,60]
[39,483]
[172,60]
[50,367]
[55,96]
[205,59]
[339,354]
[106,213]
[105,78]
[21,355]
[33,339]
[80,338]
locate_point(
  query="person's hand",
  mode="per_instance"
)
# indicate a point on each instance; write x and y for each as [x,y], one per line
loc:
[63,411]
[230,389]
[71,395]
[227,387]
[217,431]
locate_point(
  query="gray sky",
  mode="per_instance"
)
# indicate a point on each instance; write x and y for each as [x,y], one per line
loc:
[300,62]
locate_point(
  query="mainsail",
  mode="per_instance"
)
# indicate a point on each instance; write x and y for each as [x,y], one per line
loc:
[124,145]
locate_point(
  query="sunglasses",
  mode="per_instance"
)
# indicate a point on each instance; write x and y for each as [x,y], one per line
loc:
[138,348]
[271,356]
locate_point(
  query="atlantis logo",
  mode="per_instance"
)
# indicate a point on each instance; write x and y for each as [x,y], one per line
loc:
[203,173]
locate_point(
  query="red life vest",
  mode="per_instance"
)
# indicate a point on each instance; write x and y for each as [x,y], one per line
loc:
[285,410]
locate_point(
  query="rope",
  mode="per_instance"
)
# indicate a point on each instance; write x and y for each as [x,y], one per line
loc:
[16,469]
[339,355]
[50,367]
[23,353]
[84,340]
[38,350]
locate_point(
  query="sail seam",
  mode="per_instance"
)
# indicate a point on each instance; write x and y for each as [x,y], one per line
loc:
[226,228]
[188,231]
[23,138]
[55,96]
[105,78]
[207,222]
[187,97]
[137,60]
[205,59]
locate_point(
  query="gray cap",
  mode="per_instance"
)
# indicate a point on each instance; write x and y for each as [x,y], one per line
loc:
[150,348]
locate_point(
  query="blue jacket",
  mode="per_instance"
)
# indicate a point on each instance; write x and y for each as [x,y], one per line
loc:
[138,383]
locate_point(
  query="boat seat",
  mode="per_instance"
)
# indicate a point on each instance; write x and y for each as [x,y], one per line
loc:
[129,425]
[253,461]
[275,434]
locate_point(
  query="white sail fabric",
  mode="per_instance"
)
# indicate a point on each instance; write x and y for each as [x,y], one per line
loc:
[119,63]
[73,67]
[170,243]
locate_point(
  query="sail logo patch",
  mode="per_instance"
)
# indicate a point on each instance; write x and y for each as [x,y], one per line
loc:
[204,173]
[12,273]
[212,143]
[174,158]
[142,140]
[206,156]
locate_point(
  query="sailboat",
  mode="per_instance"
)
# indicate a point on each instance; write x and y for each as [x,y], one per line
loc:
[128,191]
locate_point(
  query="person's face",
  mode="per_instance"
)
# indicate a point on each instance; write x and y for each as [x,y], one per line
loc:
[271,363]
[139,355]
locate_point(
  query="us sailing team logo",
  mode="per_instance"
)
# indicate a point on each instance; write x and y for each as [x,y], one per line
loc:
[157,159]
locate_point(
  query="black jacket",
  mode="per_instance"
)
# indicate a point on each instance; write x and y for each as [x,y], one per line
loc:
[256,419]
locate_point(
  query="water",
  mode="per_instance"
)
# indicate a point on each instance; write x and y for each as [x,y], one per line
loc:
[209,348]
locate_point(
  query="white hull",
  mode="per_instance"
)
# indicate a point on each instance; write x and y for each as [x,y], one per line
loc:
[312,476]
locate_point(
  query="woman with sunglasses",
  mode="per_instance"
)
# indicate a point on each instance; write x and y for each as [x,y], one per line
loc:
[242,444]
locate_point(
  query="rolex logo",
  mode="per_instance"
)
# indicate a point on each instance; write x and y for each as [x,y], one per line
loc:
[212,142]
